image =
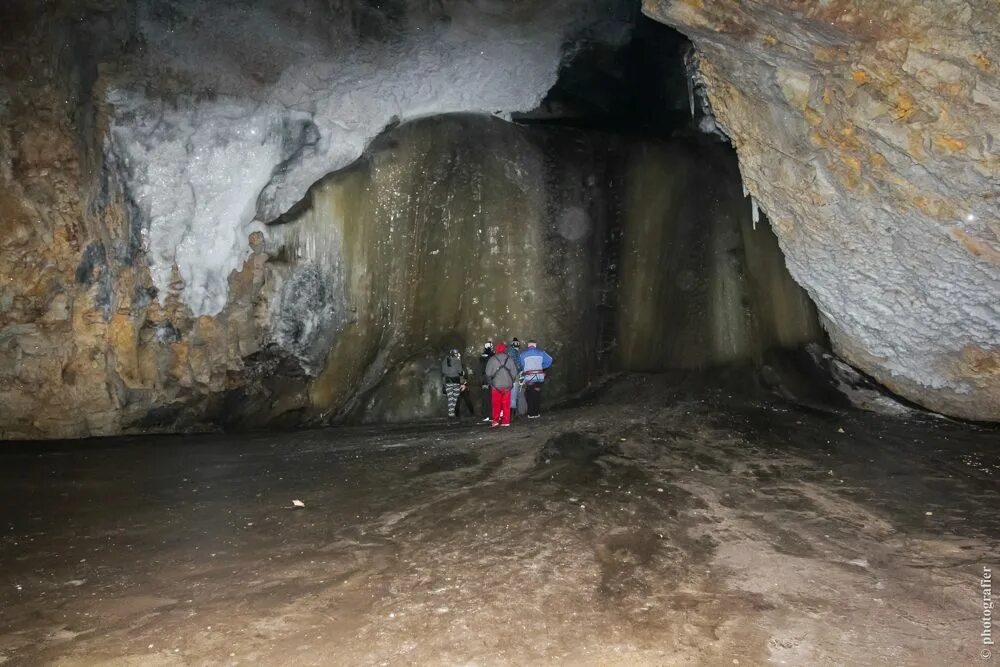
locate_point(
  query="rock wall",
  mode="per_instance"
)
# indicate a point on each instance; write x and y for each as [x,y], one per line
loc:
[448,231]
[226,113]
[702,284]
[140,140]
[866,130]
[459,228]
[154,278]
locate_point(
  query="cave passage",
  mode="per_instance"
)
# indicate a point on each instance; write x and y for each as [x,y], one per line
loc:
[707,484]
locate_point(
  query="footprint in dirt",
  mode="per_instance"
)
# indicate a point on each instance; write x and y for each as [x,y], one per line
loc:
[572,459]
[623,554]
[447,462]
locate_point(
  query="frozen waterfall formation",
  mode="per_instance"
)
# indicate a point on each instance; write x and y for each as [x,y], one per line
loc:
[235,112]
[457,228]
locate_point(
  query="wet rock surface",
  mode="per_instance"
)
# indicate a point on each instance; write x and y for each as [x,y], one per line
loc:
[665,522]
[137,143]
[866,130]
[449,231]
[697,295]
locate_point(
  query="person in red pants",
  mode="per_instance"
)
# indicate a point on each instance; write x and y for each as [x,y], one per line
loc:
[501,373]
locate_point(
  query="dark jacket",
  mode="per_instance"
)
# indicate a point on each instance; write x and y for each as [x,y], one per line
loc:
[515,354]
[451,369]
[484,359]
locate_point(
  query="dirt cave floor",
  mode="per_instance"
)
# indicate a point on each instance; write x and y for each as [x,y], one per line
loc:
[647,527]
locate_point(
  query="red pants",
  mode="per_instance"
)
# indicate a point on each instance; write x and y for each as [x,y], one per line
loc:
[501,404]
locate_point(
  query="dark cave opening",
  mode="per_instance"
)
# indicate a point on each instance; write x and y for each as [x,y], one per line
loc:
[627,76]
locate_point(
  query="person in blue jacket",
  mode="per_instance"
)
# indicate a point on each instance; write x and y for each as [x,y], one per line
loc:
[534,363]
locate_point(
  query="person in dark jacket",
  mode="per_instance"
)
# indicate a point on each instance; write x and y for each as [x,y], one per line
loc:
[465,397]
[501,371]
[455,381]
[535,362]
[515,353]
[486,399]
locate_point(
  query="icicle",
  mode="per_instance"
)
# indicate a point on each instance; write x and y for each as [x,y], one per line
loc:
[755,212]
[690,83]
[701,107]
[691,71]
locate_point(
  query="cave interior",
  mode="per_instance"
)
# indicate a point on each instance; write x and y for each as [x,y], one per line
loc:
[239,237]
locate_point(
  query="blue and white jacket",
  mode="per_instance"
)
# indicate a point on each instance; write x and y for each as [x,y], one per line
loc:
[534,361]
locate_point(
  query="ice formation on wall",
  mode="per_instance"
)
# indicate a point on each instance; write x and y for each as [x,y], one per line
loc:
[269,107]
[194,174]
[701,106]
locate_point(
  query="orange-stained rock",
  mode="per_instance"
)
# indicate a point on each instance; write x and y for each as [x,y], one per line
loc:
[180,369]
[123,343]
[976,247]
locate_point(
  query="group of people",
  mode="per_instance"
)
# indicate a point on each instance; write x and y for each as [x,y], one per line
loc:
[511,381]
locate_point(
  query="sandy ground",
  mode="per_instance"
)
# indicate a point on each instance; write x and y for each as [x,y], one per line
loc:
[644,528]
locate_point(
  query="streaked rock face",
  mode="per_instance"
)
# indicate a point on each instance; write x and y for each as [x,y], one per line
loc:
[460,228]
[867,131]
[446,234]
[450,230]
[702,285]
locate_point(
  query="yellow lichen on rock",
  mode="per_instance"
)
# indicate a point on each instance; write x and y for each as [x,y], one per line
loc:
[982,62]
[903,108]
[123,344]
[950,144]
